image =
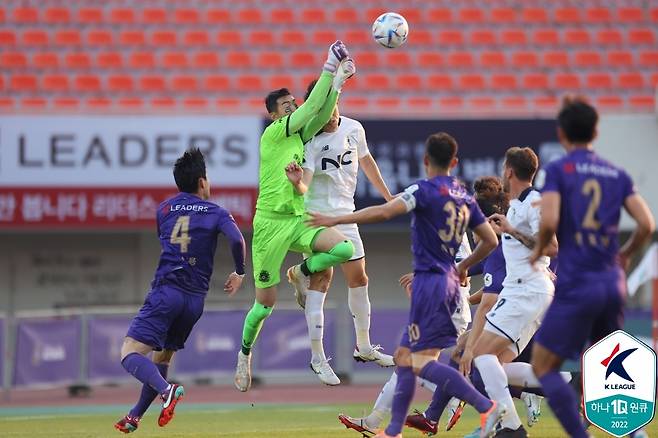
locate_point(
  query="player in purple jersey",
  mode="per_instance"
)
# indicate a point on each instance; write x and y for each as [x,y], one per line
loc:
[188,227]
[582,199]
[442,211]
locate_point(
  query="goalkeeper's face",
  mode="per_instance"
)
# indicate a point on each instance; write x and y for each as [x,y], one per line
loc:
[285,105]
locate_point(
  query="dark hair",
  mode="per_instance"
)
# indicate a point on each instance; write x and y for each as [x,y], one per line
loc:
[523,161]
[441,148]
[309,89]
[188,169]
[577,119]
[490,195]
[273,96]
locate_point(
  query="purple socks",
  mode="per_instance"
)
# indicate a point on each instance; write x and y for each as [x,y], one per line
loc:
[454,384]
[404,393]
[564,403]
[148,394]
[144,370]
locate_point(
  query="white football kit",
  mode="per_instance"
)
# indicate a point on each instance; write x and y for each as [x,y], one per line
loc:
[462,315]
[333,157]
[527,290]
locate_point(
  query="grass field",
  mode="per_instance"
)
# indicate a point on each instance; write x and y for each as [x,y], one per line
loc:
[225,420]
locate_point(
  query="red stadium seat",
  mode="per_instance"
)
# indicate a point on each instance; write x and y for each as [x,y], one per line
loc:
[13,60]
[417,103]
[57,16]
[163,103]
[609,102]
[643,102]
[77,60]
[132,38]
[154,16]
[6,103]
[187,16]
[546,37]
[152,83]
[367,59]
[482,37]
[546,103]
[535,81]
[35,38]
[229,38]
[513,37]
[397,59]
[576,37]
[280,81]
[481,103]
[409,82]
[503,82]
[514,102]
[196,38]
[566,81]
[649,58]
[34,103]
[451,103]
[174,60]
[195,103]
[216,83]
[412,15]
[587,59]
[534,15]
[439,16]
[70,37]
[324,37]
[451,38]
[358,37]
[184,83]
[120,83]
[524,60]
[98,103]
[293,37]
[249,83]
[238,59]
[122,16]
[599,80]
[653,14]
[388,103]
[609,37]
[55,83]
[313,16]
[260,38]
[45,60]
[208,60]
[282,16]
[471,15]
[630,80]
[249,16]
[372,13]
[90,15]
[26,15]
[218,16]
[641,36]
[440,82]
[555,59]
[653,80]
[598,15]
[460,60]
[99,38]
[492,59]
[630,15]
[270,60]
[130,103]
[109,60]
[503,15]
[87,83]
[620,58]
[567,15]
[376,81]
[304,59]
[163,38]
[421,36]
[141,60]
[430,60]
[7,37]
[471,82]
[346,16]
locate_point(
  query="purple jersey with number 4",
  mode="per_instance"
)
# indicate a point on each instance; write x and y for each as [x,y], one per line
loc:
[591,286]
[442,210]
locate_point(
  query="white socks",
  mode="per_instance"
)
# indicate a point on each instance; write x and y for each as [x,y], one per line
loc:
[314,312]
[383,404]
[359,304]
[520,374]
[495,383]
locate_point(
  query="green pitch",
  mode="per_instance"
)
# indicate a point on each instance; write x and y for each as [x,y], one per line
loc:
[239,421]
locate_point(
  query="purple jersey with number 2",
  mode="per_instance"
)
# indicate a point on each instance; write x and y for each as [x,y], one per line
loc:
[442,210]
[591,286]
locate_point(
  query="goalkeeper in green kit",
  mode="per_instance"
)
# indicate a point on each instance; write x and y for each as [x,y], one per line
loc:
[279,222]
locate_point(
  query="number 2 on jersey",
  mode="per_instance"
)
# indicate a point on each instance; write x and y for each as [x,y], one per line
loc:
[180,234]
[456,222]
[592,189]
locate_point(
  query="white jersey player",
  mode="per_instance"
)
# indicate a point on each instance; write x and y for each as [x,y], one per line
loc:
[331,164]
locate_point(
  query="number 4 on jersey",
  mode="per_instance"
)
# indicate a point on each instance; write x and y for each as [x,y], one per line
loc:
[180,233]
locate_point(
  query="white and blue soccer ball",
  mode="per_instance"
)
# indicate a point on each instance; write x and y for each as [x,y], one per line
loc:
[390,30]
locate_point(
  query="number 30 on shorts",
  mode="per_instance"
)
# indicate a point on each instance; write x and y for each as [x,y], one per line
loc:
[414,332]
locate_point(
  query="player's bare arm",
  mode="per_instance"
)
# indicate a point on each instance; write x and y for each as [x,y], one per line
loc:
[296,176]
[550,217]
[487,303]
[369,215]
[637,208]
[488,241]
[371,170]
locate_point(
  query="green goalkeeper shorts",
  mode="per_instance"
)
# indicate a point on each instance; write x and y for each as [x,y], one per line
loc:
[275,235]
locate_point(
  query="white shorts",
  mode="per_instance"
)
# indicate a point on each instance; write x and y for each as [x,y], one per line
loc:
[517,315]
[350,231]
[462,316]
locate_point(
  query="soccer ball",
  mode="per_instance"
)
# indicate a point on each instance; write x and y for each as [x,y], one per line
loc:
[390,30]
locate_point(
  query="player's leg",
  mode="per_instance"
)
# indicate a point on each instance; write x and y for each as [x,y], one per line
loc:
[328,247]
[381,408]
[314,312]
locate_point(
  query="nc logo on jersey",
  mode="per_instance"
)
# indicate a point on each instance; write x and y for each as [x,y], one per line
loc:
[619,384]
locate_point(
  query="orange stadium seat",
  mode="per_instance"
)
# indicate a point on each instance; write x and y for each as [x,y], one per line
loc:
[152,83]
[372,13]
[249,16]
[132,38]
[653,80]
[304,59]
[471,15]
[77,60]
[514,102]
[196,38]
[503,15]
[358,37]
[419,103]
[412,15]
[218,16]
[163,38]
[609,102]
[3,16]
[186,16]
[376,81]
[25,15]
[587,59]
[630,80]
[535,81]
[184,83]
[154,16]
[388,103]
[503,82]
[98,103]
[534,15]
[513,37]
[630,15]
[45,60]
[34,103]
[35,38]
[99,38]
[260,38]
[7,37]
[195,102]
[599,80]
[641,36]
[141,60]
[397,59]
[567,15]
[451,38]
[216,83]
[471,82]
[122,16]
[620,58]
[54,83]
[653,13]
[524,59]
[6,103]
[238,59]
[546,37]
[421,36]
[492,59]
[249,83]
[460,60]
[174,60]
[69,37]
[430,59]
[87,83]
[346,15]
[576,37]
[481,103]
[598,15]
[566,80]
[120,83]
[229,38]
[209,60]
[109,60]
[482,37]
[367,59]
[409,82]
[440,81]
[293,37]
[163,103]
[649,58]
[130,103]
[280,81]
[643,102]
[554,59]
[451,103]
[324,37]
[57,16]
[13,60]
[313,16]
[609,37]
[282,16]
[270,60]
[90,15]
[546,102]
[439,16]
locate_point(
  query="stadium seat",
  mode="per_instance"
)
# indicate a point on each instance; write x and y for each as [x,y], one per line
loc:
[184,83]
[7,37]
[293,38]
[372,13]
[388,103]
[187,16]
[152,83]
[534,15]
[87,83]
[109,60]
[282,16]
[77,60]
[440,81]
[535,81]
[630,15]
[196,38]
[576,37]
[598,15]
[280,81]
[25,15]
[57,16]
[503,82]
[566,81]
[99,38]
[643,102]
[249,16]
[120,83]
[430,60]
[412,15]
[609,102]
[208,60]
[471,15]
[132,38]
[346,16]
[587,59]
[376,81]
[653,14]
[418,103]
[513,37]
[609,37]
[130,103]
[619,58]
[546,37]
[195,103]
[324,37]
[174,60]
[45,60]
[555,59]
[163,103]
[98,103]
[163,38]
[546,103]
[35,38]
[304,59]
[599,80]
[397,59]
[229,38]
[421,37]
[90,15]
[34,103]
[492,59]
[313,16]
[567,15]
[260,38]
[268,60]
[482,37]
[515,103]
[503,15]
[358,37]
[218,16]
[452,103]
[55,83]
[641,36]
[439,16]
[16,60]
[451,38]
[460,60]
[367,59]
[155,16]
[524,59]
[69,37]
[409,82]
[249,83]
[649,58]
[7,103]
[140,60]
[238,59]
[122,16]
[481,103]
[216,83]
[472,82]
[630,80]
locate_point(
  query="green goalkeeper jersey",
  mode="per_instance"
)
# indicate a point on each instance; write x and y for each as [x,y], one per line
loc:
[279,147]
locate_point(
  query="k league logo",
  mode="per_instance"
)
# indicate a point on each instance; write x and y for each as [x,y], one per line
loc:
[619,384]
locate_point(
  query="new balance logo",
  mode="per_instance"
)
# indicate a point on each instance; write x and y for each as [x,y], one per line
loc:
[325,148]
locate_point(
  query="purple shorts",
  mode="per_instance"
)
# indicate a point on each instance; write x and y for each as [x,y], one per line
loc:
[584,309]
[167,317]
[434,298]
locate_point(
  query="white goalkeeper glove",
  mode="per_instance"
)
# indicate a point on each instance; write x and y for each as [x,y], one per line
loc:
[337,53]
[346,70]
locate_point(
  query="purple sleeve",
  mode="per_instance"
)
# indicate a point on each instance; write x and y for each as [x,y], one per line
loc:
[476,269]
[229,228]
[477,217]
[551,179]
[629,186]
